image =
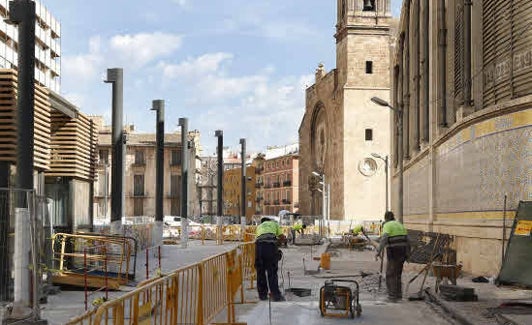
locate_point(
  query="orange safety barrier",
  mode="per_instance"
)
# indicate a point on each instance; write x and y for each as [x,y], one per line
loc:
[190,295]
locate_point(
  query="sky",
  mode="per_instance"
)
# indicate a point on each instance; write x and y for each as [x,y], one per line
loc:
[240,66]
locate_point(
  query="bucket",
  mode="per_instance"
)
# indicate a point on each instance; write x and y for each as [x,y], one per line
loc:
[325,261]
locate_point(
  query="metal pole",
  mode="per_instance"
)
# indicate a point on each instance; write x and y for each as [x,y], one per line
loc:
[106,188]
[399,113]
[183,122]
[22,13]
[219,189]
[324,199]
[115,77]
[243,192]
[5,255]
[503,229]
[329,209]
[158,106]
[386,176]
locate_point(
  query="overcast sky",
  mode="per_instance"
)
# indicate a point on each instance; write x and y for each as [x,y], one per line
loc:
[236,65]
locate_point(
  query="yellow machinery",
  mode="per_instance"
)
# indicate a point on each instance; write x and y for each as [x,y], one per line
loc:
[340,300]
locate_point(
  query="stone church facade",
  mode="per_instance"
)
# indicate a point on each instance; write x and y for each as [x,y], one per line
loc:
[341,127]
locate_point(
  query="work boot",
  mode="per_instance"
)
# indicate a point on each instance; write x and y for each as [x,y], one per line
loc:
[393,299]
[280,298]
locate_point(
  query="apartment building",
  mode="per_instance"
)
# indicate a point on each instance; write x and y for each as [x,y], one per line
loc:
[139,177]
[278,180]
[232,192]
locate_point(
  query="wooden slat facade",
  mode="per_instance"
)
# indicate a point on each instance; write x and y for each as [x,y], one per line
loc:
[8,127]
[73,147]
[63,146]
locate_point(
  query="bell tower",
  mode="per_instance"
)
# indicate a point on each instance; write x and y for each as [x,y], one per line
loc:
[359,22]
[363,39]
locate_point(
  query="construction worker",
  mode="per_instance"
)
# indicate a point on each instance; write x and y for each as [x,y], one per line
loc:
[358,229]
[297,227]
[267,257]
[394,238]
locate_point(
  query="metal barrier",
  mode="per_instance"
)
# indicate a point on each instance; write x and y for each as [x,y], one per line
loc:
[108,259]
[195,294]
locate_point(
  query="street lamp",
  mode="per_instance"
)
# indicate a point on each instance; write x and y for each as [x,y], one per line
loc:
[183,123]
[219,189]
[399,117]
[385,159]
[323,195]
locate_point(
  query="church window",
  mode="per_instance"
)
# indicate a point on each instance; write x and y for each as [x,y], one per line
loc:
[369,134]
[369,67]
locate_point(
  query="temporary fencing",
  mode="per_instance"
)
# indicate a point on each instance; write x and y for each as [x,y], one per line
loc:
[195,294]
[22,251]
[93,260]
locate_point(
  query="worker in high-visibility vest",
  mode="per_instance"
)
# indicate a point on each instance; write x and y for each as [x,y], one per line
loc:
[297,227]
[358,229]
[395,239]
[267,256]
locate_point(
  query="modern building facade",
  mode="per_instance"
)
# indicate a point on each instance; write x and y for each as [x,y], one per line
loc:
[462,74]
[47,45]
[139,178]
[278,180]
[341,127]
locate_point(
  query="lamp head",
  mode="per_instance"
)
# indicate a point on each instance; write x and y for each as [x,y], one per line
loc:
[157,104]
[316,174]
[380,101]
[376,155]
[218,133]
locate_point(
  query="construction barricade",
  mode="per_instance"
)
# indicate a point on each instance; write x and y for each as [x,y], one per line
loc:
[195,294]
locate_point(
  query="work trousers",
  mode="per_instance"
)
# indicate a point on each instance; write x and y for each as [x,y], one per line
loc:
[396,257]
[266,265]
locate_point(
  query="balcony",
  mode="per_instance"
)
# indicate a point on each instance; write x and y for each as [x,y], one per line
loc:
[276,184]
[275,202]
[258,199]
[266,202]
[286,201]
[268,185]
[287,183]
[258,185]
[138,164]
